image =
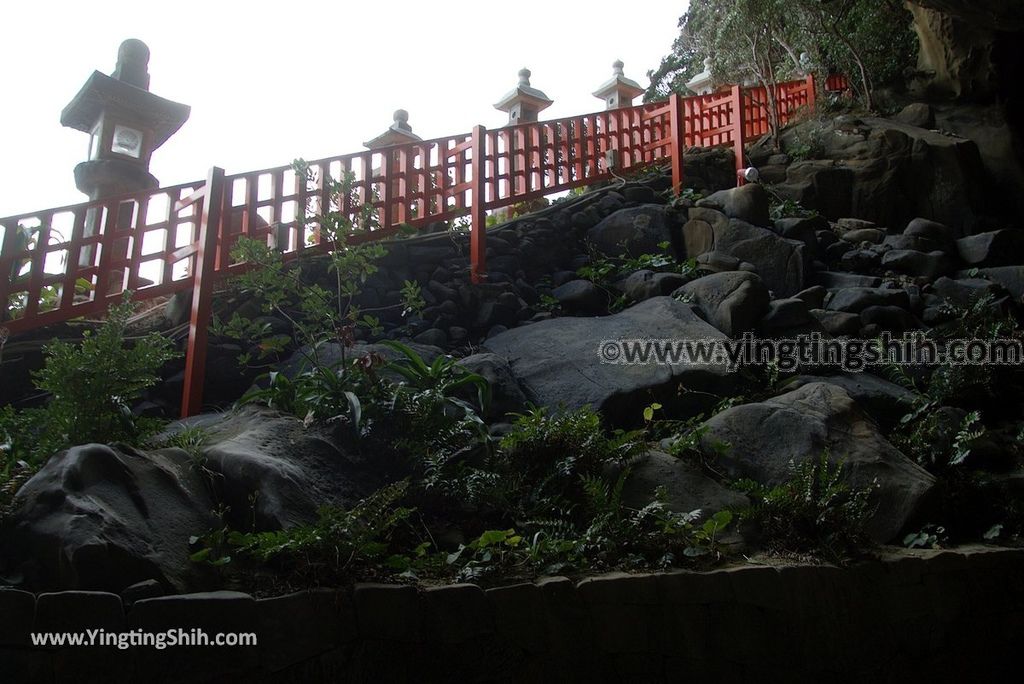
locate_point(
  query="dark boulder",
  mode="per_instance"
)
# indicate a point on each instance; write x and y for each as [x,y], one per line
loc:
[635,231]
[747,203]
[688,488]
[100,517]
[644,284]
[884,401]
[837,323]
[997,248]
[581,297]
[566,361]
[781,263]
[761,440]
[506,395]
[274,473]
[733,301]
[929,266]
[856,299]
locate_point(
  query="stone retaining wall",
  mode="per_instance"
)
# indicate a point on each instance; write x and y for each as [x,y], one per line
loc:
[943,616]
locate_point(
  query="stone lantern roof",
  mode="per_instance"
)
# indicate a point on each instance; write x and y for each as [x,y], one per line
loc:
[618,84]
[524,93]
[397,133]
[702,82]
[104,93]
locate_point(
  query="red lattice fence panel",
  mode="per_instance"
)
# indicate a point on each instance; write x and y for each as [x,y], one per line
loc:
[63,263]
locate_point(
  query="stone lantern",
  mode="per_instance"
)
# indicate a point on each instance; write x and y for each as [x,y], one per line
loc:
[702,82]
[619,91]
[523,103]
[125,123]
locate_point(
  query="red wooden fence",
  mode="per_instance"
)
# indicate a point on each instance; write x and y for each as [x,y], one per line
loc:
[63,263]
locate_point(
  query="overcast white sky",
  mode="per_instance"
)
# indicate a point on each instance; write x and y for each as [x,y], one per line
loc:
[272,81]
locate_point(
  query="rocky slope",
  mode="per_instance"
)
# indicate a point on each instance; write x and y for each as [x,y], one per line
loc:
[901,242]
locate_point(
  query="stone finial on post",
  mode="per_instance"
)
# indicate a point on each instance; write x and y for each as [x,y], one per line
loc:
[524,102]
[618,91]
[397,133]
[133,63]
[396,180]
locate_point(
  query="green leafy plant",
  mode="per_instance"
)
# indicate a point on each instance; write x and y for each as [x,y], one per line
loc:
[443,375]
[959,385]
[806,142]
[315,313]
[928,537]
[780,208]
[968,432]
[327,394]
[605,271]
[549,303]
[412,298]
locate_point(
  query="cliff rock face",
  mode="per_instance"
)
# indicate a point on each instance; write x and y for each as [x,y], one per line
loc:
[1000,15]
[888,173]
[961,44]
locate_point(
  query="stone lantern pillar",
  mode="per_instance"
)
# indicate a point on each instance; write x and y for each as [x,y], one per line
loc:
[619,91]
[125,123]
[524,102]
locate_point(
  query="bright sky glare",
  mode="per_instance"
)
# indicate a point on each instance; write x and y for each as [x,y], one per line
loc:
[272,81]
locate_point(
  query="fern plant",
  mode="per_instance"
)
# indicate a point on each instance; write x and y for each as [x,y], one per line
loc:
[340,543]
[815,510]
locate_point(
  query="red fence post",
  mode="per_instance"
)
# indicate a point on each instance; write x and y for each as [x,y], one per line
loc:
[677,127]
[739,135]
[202,293]
[478,198]
[812,93]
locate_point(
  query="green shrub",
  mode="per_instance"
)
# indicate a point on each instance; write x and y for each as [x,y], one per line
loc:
[92,384]
[91,387]
[316,314]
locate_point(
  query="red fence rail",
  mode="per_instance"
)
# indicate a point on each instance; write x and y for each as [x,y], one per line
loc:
[63,263]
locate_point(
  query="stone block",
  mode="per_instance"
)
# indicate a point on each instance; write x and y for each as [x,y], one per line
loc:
[303,625]
[192,618]
[17,611]
[387,611]
[455,614]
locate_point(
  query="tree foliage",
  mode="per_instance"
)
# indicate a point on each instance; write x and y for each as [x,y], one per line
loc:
[761,41]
